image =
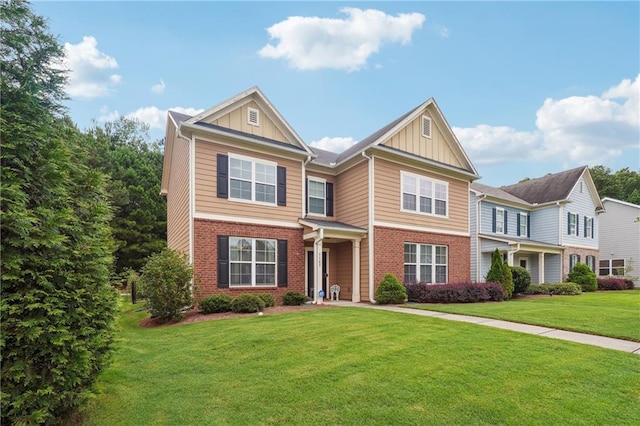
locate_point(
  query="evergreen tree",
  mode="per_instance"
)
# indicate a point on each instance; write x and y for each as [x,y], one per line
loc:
[57,306]
[495,274]
[507,281]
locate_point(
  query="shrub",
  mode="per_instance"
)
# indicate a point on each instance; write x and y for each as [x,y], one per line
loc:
[166,284]
[268,300]
[495,274]
[566,289]
[521,279]
[615,284]
[507,281]
[390,290]
[215,303]
[584,276]
[454,293]
[247,303]
[293,298]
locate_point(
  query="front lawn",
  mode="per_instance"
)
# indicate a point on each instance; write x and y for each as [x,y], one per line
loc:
[605,313]
[357,366]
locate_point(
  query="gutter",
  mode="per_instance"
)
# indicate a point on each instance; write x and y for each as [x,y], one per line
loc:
[370,226]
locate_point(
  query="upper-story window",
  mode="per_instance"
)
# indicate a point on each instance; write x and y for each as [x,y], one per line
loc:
[317,196]
[523,224]
[588,227]
[572,228]
[424,195]
[252,179]
[500,221]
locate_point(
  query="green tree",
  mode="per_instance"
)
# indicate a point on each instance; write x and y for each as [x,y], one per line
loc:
[507,281]
[495,274]
[57,306]
[622,185]
[121,149]
[584,277]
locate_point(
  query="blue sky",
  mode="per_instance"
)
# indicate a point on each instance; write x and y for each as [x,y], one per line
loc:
[529,88]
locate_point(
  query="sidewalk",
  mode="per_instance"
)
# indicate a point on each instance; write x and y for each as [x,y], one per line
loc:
[587,339]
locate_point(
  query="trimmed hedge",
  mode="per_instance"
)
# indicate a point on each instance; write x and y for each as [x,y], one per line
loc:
[215,303]
[521,279]
[565,289]
[390,291]
[584,277]
[247,303]
[454,293]
[268,300]
[293,298]
[615,284]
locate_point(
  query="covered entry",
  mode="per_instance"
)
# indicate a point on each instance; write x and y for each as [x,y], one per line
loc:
[330,246]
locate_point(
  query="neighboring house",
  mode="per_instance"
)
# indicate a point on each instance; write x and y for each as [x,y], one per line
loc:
[546,225]
[619,235]
[258,210]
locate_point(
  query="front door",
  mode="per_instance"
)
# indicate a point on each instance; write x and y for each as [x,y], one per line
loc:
[310,271]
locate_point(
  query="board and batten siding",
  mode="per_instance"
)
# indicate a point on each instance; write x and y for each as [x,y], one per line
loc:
[206,199]
[388,196]
[238,120]
[410,139]
[178,196]
[581,203]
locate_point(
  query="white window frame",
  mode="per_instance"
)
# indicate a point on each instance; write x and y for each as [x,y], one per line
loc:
[573,225]
[427,119]
[427,251]
[499,220]
[589,227]
[254,262]
[524,222]
[324,199]
[574,259]
[425,187]
[257,115]
[254,179]
[612,270]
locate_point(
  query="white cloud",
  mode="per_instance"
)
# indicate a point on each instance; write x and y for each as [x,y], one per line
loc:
[156,118]
[336,144]
[309,43]
[577,130]
[90,73]
[158,88]
[107,115]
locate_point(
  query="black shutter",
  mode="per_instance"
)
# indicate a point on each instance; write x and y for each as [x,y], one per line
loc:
[577,225]
[506,222]
[518,224]
[568,223]
[329,199]
[223,176]
[585,227]
[592,222]
[528,226]
[306,196]
[282,186]
[494,219]
[282,263]
[223,261]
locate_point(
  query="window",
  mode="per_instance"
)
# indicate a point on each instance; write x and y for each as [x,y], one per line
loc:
[317,196]
[253,117]
[573,224]
[523,226]
[588,227]
[591,262]
[252,262]
[426,127]
[500,221]
[424,195]
[612,267]
[425,263]
[252,180]
[573,260]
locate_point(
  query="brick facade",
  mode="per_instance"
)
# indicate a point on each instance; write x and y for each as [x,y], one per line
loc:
[583,253]
[389,252]
[206,256]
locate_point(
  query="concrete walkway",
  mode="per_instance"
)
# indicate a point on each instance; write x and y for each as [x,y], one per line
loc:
[571,336]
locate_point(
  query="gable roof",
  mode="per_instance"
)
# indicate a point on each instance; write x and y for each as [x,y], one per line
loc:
[498,193]
[549,188]
[624,203]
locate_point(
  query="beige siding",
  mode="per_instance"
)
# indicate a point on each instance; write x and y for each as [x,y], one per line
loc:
[343,266]
[351,195]
[331,179]
[237,120]
[206,186]
[410,139]
[388,198]
[178,197]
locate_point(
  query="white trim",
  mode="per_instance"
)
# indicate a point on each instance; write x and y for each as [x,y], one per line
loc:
[576,234]
[421,229]
[624,203]
[433,263]
[192,196]
[254,262]
[256,111]
[500,212]
[324,182]
[526,262]
[246,220]
[404,175]
[426,161]
[594,247]
[254,161]
[526,225]
[424,134]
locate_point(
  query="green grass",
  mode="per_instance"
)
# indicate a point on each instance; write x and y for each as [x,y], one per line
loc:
[357,366]
[606,313]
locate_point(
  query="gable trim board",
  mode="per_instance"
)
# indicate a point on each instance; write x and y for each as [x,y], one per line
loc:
[420,228]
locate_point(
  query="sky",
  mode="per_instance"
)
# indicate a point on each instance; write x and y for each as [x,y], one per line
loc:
[529,88]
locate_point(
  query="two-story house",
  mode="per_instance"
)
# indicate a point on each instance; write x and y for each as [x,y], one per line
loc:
[545,225]
[619,234]
[258,210]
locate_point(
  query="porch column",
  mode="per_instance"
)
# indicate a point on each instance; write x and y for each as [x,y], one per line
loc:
[317,270]
[355,288]
[540,268]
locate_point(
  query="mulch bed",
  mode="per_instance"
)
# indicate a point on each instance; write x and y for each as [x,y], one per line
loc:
[194,315]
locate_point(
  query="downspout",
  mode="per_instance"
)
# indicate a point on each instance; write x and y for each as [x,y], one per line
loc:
[370,227]
[478,227]
[304,186]
[560,239]
[511,253]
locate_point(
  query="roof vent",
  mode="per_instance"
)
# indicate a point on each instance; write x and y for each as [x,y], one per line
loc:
[426,126]
[253,116]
